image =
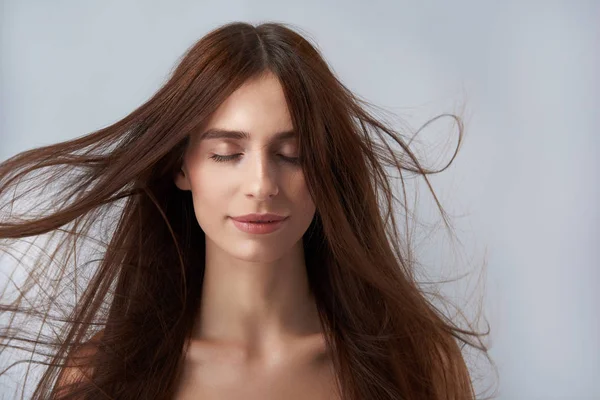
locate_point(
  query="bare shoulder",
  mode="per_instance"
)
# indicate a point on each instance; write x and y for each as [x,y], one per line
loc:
[77,367]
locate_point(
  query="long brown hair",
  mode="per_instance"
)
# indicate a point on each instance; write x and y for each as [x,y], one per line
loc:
[119,224]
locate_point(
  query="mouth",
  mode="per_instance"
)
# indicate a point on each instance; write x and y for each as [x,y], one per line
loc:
[259,227]
[260,218]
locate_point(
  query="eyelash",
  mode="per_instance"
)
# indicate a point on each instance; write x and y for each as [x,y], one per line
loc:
[220,158]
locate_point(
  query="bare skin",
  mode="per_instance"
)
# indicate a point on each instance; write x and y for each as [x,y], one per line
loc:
[224,371]
[214,372]
[257,333]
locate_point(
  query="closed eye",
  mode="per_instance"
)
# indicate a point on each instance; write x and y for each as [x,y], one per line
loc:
[225,158]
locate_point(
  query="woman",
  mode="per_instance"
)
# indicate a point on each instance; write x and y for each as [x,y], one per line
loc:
[256,254]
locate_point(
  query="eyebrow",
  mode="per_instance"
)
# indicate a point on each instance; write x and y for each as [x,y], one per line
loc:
[216,133]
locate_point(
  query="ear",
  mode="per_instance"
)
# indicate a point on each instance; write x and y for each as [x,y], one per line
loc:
[181,180]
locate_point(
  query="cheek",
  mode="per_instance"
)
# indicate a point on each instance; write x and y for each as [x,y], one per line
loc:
[209,195]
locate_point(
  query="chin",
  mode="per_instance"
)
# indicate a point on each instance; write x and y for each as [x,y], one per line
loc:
[258,256]
[259,252]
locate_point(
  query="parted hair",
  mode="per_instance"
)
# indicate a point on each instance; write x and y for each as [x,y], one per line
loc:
[114,220]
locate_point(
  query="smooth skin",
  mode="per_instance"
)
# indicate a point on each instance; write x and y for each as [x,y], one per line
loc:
[257,334]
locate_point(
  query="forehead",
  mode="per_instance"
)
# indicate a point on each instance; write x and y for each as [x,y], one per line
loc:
[256,110]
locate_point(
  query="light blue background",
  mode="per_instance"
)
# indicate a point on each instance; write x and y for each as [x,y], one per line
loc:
[526,178]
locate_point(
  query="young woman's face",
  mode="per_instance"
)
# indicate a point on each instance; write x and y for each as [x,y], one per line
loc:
[230,177]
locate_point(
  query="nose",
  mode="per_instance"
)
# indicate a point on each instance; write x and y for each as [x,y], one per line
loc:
[261,178]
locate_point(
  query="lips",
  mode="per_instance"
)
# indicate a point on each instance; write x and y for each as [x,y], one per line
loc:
[259,227]
[259,218]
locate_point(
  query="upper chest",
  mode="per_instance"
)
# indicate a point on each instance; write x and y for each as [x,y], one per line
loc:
[305,375]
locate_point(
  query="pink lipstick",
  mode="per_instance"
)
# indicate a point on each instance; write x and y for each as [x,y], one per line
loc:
[259,223]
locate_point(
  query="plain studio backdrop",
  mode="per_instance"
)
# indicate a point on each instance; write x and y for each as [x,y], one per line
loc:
[523,191]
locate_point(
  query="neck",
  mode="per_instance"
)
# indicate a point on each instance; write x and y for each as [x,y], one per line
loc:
[256,306]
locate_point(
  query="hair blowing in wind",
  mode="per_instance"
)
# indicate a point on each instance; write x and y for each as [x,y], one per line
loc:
[124,253]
